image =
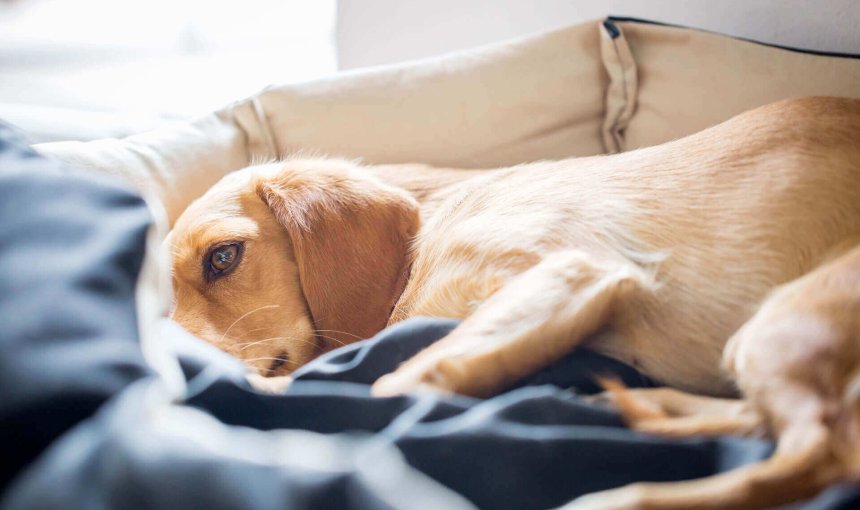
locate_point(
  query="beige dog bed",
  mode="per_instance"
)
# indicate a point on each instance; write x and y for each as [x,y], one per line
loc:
[597,87]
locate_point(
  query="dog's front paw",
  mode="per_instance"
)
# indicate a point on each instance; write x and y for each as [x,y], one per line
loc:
[438,376]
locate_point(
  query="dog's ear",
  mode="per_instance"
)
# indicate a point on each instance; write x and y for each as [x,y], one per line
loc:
[351,236]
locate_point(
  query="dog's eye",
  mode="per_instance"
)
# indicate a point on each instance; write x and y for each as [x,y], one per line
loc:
[222,259]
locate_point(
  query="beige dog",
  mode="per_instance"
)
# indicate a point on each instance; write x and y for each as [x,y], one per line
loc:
[657,257]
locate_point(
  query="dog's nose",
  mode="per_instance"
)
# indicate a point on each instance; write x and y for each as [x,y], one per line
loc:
[279,361]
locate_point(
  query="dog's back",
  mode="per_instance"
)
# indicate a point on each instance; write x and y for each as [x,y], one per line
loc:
[719,228]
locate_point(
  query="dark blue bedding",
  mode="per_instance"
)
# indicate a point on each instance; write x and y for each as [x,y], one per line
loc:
[86,422]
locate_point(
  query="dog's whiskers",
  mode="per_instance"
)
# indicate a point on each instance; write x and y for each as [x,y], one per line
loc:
[245,345]
[242,317]
[339,331]
[332,339]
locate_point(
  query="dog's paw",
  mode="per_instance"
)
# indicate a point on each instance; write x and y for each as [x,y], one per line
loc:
[437,376]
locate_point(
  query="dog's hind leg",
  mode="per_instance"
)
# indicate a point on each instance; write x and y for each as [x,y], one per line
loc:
[533,320]
[797,362]
[801,467]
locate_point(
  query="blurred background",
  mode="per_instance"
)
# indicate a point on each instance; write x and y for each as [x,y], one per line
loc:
[85,69]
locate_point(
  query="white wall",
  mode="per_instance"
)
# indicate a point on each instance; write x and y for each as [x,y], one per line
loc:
[374,32]
[66,74]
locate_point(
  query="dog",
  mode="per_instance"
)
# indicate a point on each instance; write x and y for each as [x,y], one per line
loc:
[740,243]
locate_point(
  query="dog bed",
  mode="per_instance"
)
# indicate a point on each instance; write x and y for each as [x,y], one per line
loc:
[106,403]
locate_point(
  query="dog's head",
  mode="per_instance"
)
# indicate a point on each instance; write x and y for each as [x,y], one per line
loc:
[279,263]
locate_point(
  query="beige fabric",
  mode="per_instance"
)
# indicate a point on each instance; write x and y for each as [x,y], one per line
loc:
[532,98]
[623,85]
[174,165]
[582,90]
[689,80]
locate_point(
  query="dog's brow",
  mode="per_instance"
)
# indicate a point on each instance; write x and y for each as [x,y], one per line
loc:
[223,230]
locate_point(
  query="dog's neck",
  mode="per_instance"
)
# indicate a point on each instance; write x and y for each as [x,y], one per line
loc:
[428,185]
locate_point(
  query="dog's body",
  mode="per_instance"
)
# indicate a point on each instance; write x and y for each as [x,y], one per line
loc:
[655,257]
[724,222]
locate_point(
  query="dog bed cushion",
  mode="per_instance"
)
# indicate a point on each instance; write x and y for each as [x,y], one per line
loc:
[588,89]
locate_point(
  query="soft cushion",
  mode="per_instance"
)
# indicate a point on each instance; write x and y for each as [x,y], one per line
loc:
[597,87]
[690,79]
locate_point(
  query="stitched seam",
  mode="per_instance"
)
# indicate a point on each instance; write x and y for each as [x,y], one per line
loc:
[614,125]
[266,128]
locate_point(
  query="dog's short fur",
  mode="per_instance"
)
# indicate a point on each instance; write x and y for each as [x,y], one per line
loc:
[749,230]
